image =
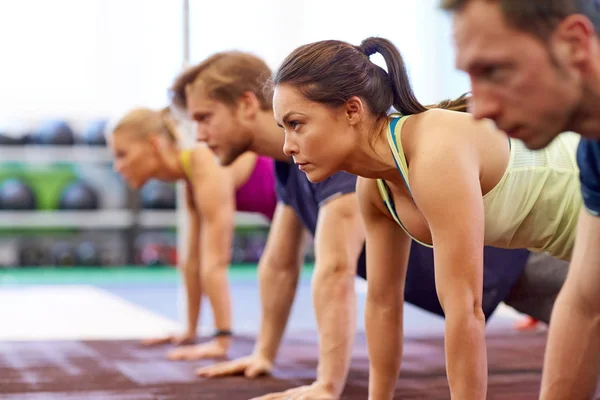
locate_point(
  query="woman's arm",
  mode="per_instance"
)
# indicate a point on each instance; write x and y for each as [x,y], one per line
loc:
[339,241]
[446,188]
[214,199]
[387,258]
[190,270]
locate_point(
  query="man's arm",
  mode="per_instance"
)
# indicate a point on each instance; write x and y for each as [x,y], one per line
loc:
[572,357]
[278,272]
[339,241]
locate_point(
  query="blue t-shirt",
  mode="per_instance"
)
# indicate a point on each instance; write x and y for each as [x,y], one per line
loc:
[588,159]
[295,190]
[501,270]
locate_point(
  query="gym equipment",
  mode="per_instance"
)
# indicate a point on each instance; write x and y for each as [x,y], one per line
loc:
[63,254]
[170,254]
[7,139]
[87,254]
[158,195]
[16,195]
[255,244]
[79,196]
[55,133]
[238,252]
[32,254]
[151,255]
[93,134]
[309,255]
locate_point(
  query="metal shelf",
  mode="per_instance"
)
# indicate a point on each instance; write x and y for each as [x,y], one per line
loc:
[66,219]
[52,154]
[250,219]
[105,219]
[97,219]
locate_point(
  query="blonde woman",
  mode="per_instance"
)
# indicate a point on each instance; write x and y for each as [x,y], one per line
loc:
[145,144]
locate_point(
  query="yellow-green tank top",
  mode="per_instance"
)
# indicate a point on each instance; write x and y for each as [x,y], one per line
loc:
[185,158]
[536,203]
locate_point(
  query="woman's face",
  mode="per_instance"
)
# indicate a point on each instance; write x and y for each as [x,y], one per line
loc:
[135,157]
[316,136]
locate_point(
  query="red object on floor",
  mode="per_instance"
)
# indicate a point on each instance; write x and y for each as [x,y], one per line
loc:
[527,323]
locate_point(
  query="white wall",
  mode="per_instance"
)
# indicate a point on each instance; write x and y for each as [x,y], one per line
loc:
[272,29]
[86,58]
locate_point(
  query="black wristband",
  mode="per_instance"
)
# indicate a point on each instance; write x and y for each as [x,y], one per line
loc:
[220,333]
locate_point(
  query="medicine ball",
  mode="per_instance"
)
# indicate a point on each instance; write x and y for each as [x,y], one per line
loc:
[31,254]
[63,254]
[79,196]
[94,133]
[158,195]
[12,139]
[16,195]
[54,133]
[87,254]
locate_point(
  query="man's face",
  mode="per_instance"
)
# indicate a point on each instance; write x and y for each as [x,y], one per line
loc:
[218,124]
[520,82]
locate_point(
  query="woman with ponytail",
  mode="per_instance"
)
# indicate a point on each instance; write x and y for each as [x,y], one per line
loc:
[430,173]
[146,145]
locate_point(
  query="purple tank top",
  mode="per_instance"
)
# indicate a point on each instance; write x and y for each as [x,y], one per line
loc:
[258,193]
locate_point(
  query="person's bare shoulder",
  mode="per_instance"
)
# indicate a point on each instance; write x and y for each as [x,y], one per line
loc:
[438,127]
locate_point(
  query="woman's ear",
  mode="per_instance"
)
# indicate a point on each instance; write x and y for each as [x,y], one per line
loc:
[354,110]
[160,145]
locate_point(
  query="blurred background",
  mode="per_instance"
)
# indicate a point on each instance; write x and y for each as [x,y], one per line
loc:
[69,66]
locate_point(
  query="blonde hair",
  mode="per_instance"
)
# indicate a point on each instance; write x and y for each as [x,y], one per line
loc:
[147,121]
[225,77]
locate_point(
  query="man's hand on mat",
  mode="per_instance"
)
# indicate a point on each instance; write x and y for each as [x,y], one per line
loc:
[184,338]
[212,349]
[316,391]
[251,366]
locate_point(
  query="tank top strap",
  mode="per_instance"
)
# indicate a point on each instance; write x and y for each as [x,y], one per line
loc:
[394,137]
[387,200]
[185,158]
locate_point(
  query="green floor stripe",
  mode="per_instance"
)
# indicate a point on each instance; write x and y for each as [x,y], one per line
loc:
[127,274]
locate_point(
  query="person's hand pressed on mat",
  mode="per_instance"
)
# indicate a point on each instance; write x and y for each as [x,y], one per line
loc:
[216,348]
[176,339]
[315,391]
[250,366]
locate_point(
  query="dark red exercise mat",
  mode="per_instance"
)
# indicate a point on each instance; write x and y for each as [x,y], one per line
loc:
[124,370]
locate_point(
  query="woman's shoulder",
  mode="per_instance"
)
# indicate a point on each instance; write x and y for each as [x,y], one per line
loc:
[202,162]
[448,128]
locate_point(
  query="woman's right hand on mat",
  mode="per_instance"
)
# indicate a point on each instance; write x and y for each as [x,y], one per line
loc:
[250,366]
[184,338]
